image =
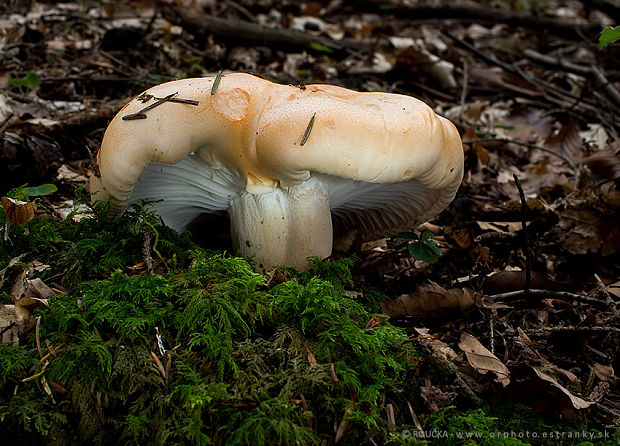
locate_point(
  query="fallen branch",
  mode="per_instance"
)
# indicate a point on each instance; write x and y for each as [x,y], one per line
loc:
[571,27]
[546,294]
[255,33]
[546,330]
[526,244]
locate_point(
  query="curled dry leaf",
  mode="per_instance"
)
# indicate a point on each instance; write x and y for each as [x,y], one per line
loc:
[430,301]
[344,427]
[18,212]
[506,281]
[578,403]
[435,344]
[603,372]
[482,360]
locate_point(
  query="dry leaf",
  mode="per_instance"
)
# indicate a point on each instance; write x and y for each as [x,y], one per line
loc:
[430,301]
[605,164]
[344,426]
[311,358]
[578,403]
[506,281]
[603,372]
[567,141]
[482,360]
[435,344]
[18,212]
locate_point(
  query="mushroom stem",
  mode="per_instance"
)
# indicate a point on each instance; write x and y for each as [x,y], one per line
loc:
[283,227]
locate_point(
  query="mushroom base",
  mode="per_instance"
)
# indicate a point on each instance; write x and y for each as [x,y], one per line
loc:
[283,227]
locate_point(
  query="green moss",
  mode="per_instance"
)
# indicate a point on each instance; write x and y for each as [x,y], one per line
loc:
[244,363]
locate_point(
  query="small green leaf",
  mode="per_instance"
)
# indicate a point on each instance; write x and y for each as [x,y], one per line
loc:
[24,192]
[30,80]
[425,249]
[320,47]
[38,191]
[609,35]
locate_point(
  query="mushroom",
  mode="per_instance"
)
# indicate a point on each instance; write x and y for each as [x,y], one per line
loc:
[289,164]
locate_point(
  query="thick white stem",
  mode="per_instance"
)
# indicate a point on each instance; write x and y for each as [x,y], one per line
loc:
[283,227]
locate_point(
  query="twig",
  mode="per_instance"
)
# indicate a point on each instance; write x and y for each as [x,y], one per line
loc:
[256,33]
[491,333]
[496,236]
[526,244]
[216,82]
[140,114]
[547,294]
[308,130]
[610,90]
[391,419]
[545,330]
[537,83]
[463,92]
[146,252]
[7,328]
[553,62]
[531,146]
[37,336]
[471,12]
[603,290]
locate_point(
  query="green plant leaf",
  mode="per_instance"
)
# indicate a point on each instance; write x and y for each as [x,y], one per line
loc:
[320,47]
[39,191]
[30,80]
[609,35]
[425,249]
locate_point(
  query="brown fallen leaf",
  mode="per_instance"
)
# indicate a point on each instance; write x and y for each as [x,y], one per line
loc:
[344,427]
[435,344]
[604,163]
[506,281]
[18,212]
[603,372]
[567,141]
[430,301]
[482,360]
[577,402]
[311,358]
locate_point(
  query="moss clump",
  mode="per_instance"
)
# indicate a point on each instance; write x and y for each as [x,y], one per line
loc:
[244,363]
[204,351]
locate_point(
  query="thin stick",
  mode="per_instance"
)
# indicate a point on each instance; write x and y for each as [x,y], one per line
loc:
[308,130]
[140,114]
[216,82]
[570,329]
[526,247]
[463,93]
[612,93]
[7,328]
[546,294]
[38,339]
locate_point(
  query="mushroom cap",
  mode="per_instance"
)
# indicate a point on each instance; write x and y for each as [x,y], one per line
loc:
[389,162]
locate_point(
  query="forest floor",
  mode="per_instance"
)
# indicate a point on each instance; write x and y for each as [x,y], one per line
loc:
[127,330]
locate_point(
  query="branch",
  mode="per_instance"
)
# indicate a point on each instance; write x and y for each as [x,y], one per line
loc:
[546,294]
[573,28]
[255,33]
